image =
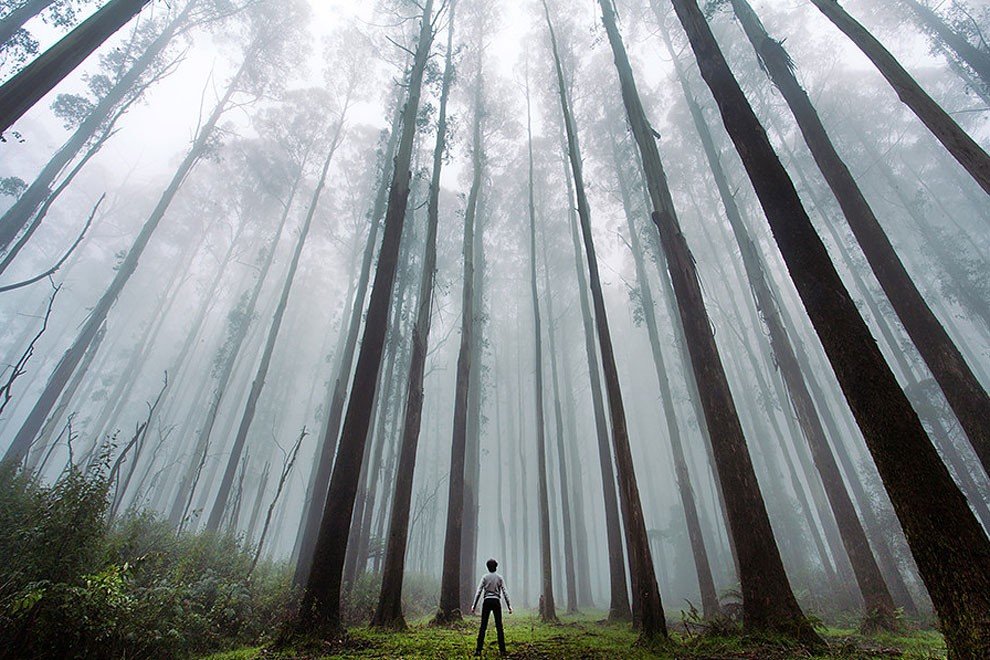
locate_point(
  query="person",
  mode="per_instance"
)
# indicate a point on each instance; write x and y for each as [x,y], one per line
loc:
[493,588]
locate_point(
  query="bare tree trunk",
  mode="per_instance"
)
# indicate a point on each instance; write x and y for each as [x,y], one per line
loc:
[389,611]
[450,588]
[320,608]
[34,81]
[567,516]
[961,388]
[963,148]
[768,601]
[951,549]
[619,609]
[647,607]
[320,478]
[706,583]
[548,610]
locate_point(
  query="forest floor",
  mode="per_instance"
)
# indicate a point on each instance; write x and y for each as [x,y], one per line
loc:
[586,637]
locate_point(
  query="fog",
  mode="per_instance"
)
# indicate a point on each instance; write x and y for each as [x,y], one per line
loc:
[218,186]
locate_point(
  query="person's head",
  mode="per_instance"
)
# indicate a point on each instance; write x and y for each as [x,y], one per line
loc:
[492,565]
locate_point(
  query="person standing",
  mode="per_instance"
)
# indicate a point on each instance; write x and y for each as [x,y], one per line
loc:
[493,588]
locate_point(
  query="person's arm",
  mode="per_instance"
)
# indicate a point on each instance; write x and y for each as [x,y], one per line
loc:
[474,605]
[505,595]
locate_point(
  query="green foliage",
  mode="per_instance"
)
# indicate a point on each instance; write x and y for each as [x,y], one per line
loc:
[73,586]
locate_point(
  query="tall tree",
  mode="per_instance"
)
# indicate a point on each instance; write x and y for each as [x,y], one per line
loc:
[768,601]
[548,610]
[647,606]
[975,58]
[320,607]
[320,477]
[960,385]
[388,614]
[33,82]
[450,581]
[963,148]
[950,547]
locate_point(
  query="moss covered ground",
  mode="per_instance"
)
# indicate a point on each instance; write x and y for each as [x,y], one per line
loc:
[587,637]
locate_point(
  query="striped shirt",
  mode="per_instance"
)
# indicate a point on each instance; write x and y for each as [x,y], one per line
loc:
[492,586]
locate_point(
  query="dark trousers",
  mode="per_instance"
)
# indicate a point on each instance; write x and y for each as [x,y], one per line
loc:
[491,606]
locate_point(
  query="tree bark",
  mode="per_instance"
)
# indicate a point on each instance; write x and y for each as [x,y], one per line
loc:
[450,588]
[768,601]
[33,82]
[964,392]
[647,607]
[963,148]
[389,611]
[548,610]
[951,549]
[320,608]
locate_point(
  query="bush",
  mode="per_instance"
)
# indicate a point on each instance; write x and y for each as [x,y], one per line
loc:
[73,586]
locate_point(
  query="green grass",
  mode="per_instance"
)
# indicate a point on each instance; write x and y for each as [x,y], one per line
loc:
[586,637]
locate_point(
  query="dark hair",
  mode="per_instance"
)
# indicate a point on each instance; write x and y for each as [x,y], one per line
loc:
[492,565]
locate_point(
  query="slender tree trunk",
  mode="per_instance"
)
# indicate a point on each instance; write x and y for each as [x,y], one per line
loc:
[964,392]
[389,611]
[548,611]
[951,549]
[17,18]
[963,148]
[450,589]
[33,82]
[74,354]
[565,492]
[320,606]
[250,407]
[706,583]
[320,478]
[647,607]
[768,601]
[878,602]
[619,609]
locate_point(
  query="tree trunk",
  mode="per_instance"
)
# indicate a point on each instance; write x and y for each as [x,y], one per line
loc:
[951,549]
[706,583]
[33,82]
[565,491]
[963,148]
[450,589]
[647,607]
[389,611]
[768,601]
[619,609]
[320,606]
[962,389]
[320,477]
[548,610]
